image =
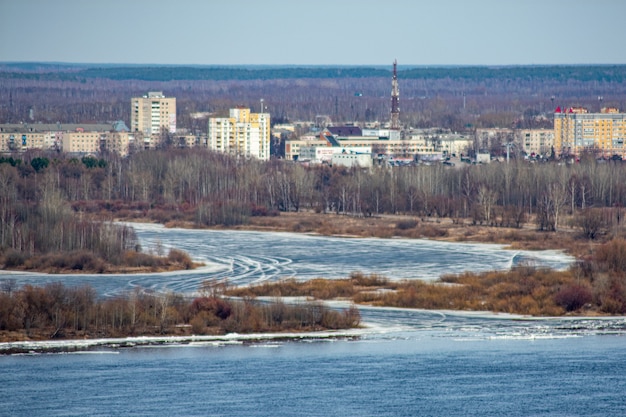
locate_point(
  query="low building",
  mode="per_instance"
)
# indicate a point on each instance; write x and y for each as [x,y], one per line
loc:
[324,154]
[76,138]
[292,147]
[483,158]
[352,160]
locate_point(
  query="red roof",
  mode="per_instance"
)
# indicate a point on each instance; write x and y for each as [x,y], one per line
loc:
[558,109]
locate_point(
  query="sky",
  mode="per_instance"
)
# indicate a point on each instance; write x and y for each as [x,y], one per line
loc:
[314,32]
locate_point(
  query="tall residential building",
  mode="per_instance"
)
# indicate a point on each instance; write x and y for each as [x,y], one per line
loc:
[576,130]
[152,113]
[242,133]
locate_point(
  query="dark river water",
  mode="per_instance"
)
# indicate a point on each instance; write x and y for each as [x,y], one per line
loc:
[403,362]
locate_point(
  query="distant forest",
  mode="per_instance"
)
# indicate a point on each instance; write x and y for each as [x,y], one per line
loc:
[458,98]
[68,72]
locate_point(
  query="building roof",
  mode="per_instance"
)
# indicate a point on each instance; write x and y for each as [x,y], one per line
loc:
[55,127]
[120,126]
[345,130]
[331,139]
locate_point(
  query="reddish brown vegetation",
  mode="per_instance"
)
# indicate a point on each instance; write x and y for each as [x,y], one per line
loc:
[590,287]
[56,311]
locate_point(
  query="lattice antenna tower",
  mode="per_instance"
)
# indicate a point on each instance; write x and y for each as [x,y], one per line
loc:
[395,99]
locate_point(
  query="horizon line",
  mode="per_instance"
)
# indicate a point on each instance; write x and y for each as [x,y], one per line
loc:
[134,64]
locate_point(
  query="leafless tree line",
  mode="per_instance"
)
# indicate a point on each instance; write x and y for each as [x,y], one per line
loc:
[211,188]
[35,218]
[57,311]
[441,102]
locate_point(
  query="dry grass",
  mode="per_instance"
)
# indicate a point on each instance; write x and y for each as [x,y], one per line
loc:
[523,290]
[387,226]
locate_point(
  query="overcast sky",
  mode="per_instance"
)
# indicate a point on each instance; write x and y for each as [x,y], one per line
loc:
[314,32]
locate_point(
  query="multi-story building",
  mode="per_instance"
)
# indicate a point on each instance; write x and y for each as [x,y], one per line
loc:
[22,137]
[293,146]
[16,141]
[536,141]
[81,142]
[242,133]
[576,130]
[487,139]
[189,140]
[118,142]
[152,115]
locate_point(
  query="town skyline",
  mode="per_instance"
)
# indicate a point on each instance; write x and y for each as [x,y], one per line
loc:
[277,32]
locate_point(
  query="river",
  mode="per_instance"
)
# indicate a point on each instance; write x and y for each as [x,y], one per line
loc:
[244,258]
[403,362]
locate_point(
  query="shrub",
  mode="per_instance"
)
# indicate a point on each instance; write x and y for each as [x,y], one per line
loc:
[138,259]
[199,323]
[304,226]
[213,305]
[406,224]
[433,231]
[13,259]
[179,257]
[611,256]
[257,211]
[372,280]
[613,298]
[573,297]
[591,222]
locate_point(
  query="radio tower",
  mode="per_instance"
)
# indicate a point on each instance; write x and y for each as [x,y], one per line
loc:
[395,99]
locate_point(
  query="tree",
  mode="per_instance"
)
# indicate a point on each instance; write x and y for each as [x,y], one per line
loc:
[592,222]
[39,163]
[486,199]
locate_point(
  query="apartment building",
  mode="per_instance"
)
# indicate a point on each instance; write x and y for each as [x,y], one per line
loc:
[536,141]
[23,137]
[242,133]
[576,130]
[22,141]
[90,142]
[152,114]
[81,142]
